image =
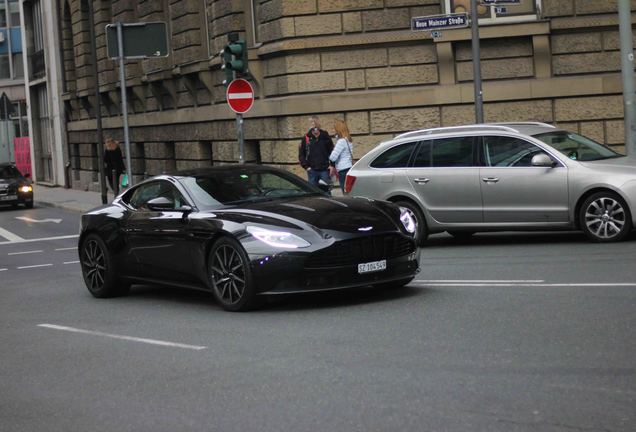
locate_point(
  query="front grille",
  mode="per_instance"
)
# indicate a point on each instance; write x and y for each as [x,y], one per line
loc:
[361,250]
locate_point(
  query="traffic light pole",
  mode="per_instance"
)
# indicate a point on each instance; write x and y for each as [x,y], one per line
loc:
[124,101]
[241,140]
[479,96]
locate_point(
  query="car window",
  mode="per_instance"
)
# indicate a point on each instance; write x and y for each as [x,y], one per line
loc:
[395,157]
[453,152]
[577,147]
[505,151]
[423,156]
[9,172]
[149,191]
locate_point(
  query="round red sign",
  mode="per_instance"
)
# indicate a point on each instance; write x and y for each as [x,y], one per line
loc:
[240,95]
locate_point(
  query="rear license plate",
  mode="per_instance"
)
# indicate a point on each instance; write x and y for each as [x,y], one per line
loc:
[8,197]
[373,266]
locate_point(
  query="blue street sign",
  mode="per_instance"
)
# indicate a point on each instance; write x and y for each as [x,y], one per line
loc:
[499,2]
[439,22]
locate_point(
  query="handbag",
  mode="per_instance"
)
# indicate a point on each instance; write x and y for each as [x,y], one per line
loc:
[124,180]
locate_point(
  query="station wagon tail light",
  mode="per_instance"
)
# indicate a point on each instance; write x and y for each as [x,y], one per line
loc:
[281,239]
[349,181]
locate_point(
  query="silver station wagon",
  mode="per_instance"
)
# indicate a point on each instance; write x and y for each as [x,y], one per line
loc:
[502,177]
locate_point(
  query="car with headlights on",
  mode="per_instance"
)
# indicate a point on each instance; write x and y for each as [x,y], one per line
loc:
[243,232]
[502,177]
[15,188]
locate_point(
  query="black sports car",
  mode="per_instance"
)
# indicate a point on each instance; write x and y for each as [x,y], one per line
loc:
[15,188]
[242,232]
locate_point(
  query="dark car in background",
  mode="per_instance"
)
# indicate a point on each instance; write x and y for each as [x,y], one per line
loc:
[243,232]
[15,188]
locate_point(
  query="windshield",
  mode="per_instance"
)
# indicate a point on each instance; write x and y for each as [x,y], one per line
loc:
[228,187]
[577,147]
[9,172]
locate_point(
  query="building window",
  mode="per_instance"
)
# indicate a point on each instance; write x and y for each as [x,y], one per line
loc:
[491,14]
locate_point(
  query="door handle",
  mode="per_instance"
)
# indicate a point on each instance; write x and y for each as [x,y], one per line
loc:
[421,180]
[490,179]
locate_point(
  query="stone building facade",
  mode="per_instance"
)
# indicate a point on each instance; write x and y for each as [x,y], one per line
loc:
[555,61]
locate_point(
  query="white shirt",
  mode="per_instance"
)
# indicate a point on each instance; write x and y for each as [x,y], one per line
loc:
[341,155]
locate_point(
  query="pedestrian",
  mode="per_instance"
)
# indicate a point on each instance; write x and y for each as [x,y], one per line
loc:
[113,163]
[313,152]
[341,158]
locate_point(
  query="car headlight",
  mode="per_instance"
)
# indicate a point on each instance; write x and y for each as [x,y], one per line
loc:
[281,239]
[26,189]
[407,219]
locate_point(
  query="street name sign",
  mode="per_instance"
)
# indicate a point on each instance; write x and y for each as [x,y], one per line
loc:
[240,96]
[439,22]
[140,40]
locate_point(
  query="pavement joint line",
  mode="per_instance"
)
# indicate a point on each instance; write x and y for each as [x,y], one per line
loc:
[21,240]
[71,262]
[34,266]
[25,252]
[123,337]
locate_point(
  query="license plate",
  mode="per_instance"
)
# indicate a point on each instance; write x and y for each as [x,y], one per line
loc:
[373,266]
[8,197]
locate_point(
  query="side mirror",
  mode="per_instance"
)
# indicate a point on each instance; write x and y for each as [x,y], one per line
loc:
[324,185]
[160,203]
[542,160]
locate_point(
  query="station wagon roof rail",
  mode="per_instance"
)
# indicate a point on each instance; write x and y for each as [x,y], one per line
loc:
[525,124]
[457,128]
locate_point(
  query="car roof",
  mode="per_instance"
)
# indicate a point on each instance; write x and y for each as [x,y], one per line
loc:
[525,128]
[221,168]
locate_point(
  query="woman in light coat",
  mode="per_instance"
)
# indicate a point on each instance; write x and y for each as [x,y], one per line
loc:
[341,157]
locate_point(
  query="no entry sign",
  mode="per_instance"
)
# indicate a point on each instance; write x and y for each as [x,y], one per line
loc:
[240,95]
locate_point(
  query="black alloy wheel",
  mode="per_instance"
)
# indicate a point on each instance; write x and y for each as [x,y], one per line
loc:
[230,276]
[604,217]
[421,231]
[99,275]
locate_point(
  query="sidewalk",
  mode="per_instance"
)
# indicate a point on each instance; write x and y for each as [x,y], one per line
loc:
[81,201]
[68,199]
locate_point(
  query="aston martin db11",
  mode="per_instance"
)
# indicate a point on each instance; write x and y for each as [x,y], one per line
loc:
[243,232]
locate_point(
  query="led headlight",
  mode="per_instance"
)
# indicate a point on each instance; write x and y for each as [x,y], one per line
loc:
[279,239]
[26,189]
[407,219]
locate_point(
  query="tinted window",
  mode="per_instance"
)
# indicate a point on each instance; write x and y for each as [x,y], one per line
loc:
[395,157]
[453,152]
[9,172]
[504,151]
[148,191]
[423,155]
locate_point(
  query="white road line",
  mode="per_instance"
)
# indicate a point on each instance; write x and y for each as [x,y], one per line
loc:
[122,337]
[71,262]
[34,266]
[4,269]
[583,284]
[63,249]
[10,236]
[479,281]
[24,252]
[21,240]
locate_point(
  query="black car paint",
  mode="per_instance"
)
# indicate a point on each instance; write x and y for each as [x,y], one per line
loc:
[171,247]
[11,186]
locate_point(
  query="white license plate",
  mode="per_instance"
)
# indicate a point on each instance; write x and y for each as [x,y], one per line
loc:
[8,197]
[373,266]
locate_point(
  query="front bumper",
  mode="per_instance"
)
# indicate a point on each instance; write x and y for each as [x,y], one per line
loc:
[17,198]
[286,273]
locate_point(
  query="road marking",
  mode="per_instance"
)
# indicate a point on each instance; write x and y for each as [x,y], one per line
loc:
[17,239]
[4,269]
[71,262]
[63,249]
[10,236]
[25,252]
[478,281]
[34,266]
[122,337]
[28,219]
[583,284]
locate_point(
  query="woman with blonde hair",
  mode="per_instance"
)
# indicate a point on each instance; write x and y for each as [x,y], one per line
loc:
[113,163]
[341,157]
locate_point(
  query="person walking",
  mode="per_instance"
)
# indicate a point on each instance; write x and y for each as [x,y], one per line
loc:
[341,157]
[113,163]
[313,152]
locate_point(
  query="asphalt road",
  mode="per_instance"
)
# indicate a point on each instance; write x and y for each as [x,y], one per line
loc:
[506,332]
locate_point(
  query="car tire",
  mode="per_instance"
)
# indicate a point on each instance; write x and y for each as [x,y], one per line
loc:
[421,234]
[230,276]
[604,217]
[98,270]
[394,284]
[461,235]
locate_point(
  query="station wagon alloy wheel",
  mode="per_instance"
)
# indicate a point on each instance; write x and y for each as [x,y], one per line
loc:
[605,218]
[230,275]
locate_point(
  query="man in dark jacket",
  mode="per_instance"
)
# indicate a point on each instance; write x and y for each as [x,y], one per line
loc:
[313,152]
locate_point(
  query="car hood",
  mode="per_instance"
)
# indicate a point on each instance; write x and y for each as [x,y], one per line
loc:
[622,165]
[325,213]
[8,182]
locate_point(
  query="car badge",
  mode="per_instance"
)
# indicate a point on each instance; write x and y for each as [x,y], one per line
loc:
[369,228]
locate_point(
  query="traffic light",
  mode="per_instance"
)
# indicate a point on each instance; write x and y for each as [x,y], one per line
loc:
[234,58]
